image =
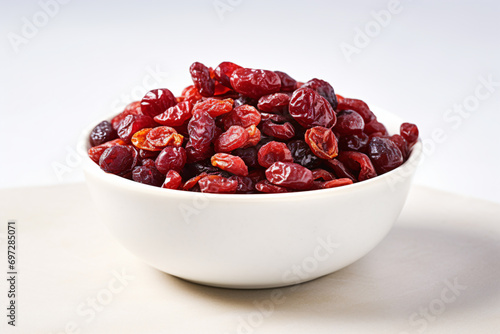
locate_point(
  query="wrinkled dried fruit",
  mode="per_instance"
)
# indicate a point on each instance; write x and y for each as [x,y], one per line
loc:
[140,140]
[244,115]
[349,122]
[157,101]
[272,152]
[201,79]
[102,133]
[224,71]
[255,83]
[311,109]
[235,137]
[336,183]
[118,159]
[214,107]
[217,184]
[171,158]
[148,175]
[320,173]
[384,154]
[274,103]
[289,175]
[324,89]
[409,131]
[96,151]
[302,154]
[358,163]
[264,186]
[358,106]
[162,136]
[133,123]
[176,115]
[230,163]
[133,108]
[322,142]
[288,84]
[284,131]
[173,180]
[253,136]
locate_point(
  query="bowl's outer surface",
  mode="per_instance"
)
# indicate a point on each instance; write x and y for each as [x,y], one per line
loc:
[252,241]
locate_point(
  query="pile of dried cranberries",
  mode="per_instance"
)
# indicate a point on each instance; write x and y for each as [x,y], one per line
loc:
[242,130]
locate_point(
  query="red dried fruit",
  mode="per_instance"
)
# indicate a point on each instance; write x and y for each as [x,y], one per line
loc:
[272,152]
[230,163]
[409,131]
[336,183]
[290,175]
[217,184]
[358,163]
[320,173]
[201,79]
[140,140]
[224,71]
[349,122]
[253,136]
[288,84]
[322,142]
[311,109]
[191,94]
[244,116]
[255,83]
[176,115]
[162,136]
[324,89]
[284,131]
[133,108]
[157,101]
[148,175]
[274,103]
[214,107]
[133,123]
[245,184]
[384,154]
[96,151]
[118,159]
[374,127]
[171,158]
[340,170]
[145,154]
[201,130]
[189,184]
[102,133]
[302,154]
[354,142]
[249,156]
[148,162]
[358,106]
[265,186]
[235,137]
[402,144]
[173,180]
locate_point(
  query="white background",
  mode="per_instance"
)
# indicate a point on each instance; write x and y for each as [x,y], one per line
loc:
[86,59]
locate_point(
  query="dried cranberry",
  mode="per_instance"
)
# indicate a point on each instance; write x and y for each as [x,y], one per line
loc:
[274,103]
[217,184]
[322,142]
[324,89]
[192,182]
[224,71]
[145,154]
[157,101]
[230,163]
[358,163]
[191,95]
[336,183]
[253,136]
[255,83]
[96,151]
[284,131]
[118,159]
[272,152]
[249,156]
[302,154]
[214,107]
[375,126]
[311,109]
[290,175]
[265,186]
[173,180]
[384,154]
[358,106]
[235,137]
[201,79]
[320,173]
[171,158]
[133,123]
[244,115]
[103,132]
[148,162]
[133,108]
[340,170]
[201,130]
[409,131]
[354,142]
[288,84]
[402,144]
[162,136]
[245,184]
[140,140]
[148,175]
[349,122]
[176,115]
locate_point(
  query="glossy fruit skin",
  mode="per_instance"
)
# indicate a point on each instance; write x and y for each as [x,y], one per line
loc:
[340,170]
[324,89]
[384,154]
[402,144]
[118,159]
[349,122]
[176,115]
[102,133]
[322,174]
[201,79]
[264,186]
[358,106]
[354,142]
[162,136]
[230,163]
[274,103]
[289,175]
[254,136]
[157,101]
[322,142]
[235,137]
[139,140]
[288,84]
[148,175]
[214,107]
[171,158]
[224,71]
[272,152]
[255,83]
[302,154]
[201,130]
[173,180]
[374,126]
[133,123]
[133,108]
[244,116]
[191,94]
[284,131]
[96,151]
[249,156]
[336,183]
[358,163]
[409,132]
[310,109]
[217,184]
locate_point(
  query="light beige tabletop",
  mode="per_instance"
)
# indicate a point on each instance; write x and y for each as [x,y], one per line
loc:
[438,271]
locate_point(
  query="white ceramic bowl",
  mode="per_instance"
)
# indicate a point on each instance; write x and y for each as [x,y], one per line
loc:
[257,240]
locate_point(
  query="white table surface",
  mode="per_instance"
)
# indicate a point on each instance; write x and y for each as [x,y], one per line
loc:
[436,272]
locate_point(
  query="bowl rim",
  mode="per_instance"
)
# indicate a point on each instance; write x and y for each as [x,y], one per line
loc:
[89,166]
